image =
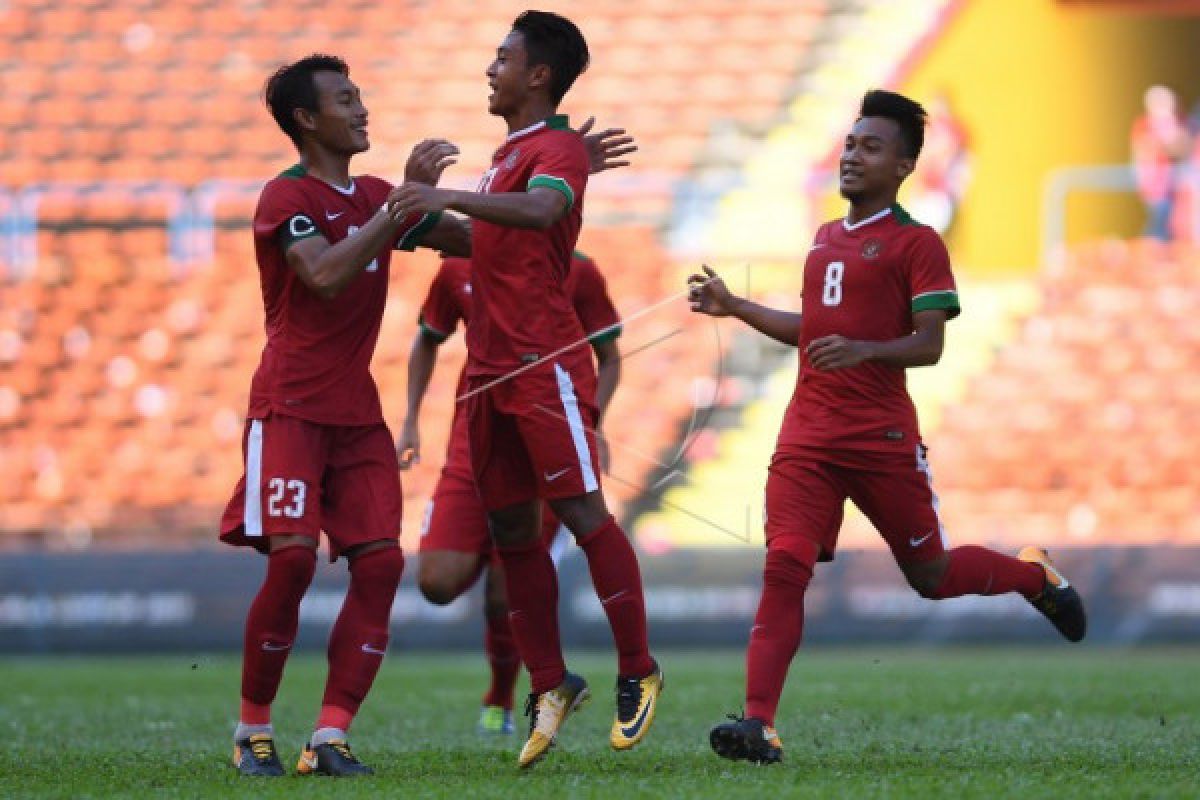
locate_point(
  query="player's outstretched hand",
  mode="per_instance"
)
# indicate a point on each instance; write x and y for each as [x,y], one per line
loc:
[606,148]
[416,198]
[408,446]
[707,294]
[836,352]
[428,160]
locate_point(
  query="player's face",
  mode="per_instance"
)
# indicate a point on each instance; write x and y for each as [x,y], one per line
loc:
[340,123]
[508,76]
[871,163]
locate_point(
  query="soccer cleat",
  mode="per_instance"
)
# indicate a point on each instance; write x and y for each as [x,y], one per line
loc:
[331,758]
[256,755]
[743,739]
[547,712]
[1058,601]
[495,720]
[637,701]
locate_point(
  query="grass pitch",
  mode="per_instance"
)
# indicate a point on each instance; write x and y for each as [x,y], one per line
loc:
[1053,722]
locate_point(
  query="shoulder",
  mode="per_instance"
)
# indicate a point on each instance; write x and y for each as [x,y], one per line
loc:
[562,141]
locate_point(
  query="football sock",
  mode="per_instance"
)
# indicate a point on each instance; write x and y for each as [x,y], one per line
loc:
[532,587]
[245,731]
[271,626]
[778,627]
[977,570]
[360,635]
[329,734]
[503,659]
[618,582]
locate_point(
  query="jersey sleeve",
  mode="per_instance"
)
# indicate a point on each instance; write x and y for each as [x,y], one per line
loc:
[592,303]
[283,213]
[931,283]
[561,165]
[440,312]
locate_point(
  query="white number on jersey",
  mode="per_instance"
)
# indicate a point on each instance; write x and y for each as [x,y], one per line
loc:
[278,487]
[374,265]
[832,295]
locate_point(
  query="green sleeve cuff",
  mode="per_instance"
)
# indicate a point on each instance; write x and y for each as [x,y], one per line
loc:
[551,182]
[937,301]
[412,238]
[432,333]
[605,334]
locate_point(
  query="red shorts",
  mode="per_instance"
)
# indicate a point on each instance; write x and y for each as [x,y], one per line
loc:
[534,435]
[302,478]
[807,490]
[456,520]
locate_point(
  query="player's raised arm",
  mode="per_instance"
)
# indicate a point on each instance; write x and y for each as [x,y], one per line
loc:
[537,208]
[326,268]
[707,294]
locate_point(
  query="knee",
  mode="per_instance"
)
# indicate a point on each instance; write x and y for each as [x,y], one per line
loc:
[295,566]
[926,579]
[436,588]
[790,562]
[582,515]
[381,568]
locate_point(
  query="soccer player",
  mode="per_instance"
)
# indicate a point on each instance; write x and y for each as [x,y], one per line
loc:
[876,296]
[456,545]
[531,410]
[318,455]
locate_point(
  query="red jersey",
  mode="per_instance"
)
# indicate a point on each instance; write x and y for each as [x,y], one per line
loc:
[518,274]
[864,282]
[450,300]
[316,363]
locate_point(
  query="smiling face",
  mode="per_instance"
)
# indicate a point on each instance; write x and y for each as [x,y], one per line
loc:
[340,122]
[872,163]
[510,76]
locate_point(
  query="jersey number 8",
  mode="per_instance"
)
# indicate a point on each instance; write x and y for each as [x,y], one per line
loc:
[832,295]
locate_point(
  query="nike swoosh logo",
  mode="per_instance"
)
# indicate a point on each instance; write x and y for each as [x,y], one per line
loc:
[633,729]
[815,247]
[913,541]
[332,217]
[366,648]
[553,476]
[270,648]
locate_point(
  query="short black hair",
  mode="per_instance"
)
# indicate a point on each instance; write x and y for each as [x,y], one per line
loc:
[553,40]
[908,114]
[292,86]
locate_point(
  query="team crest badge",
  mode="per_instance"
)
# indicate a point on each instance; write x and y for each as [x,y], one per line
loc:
[871,248]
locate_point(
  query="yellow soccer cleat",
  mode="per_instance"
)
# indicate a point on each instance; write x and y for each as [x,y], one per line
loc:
[547,712]
[637,701]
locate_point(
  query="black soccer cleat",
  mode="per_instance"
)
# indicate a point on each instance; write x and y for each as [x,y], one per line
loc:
[331,758]
[1059,601]
[746,739]
[256,756]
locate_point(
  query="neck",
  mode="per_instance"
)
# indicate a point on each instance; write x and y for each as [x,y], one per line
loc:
[333,168]
[535,110]
[861,209]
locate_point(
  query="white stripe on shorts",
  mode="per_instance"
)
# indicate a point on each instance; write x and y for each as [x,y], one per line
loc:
[923,466]
[566,391]
[252,511]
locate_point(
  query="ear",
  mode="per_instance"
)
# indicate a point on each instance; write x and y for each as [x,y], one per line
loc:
[904,167]
[539,77]
[306,120]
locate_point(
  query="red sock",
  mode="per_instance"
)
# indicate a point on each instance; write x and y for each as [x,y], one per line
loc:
[503,658]
[778,627]
[977,570]
[618,583]
[271,626]
[360,635]
[532,587]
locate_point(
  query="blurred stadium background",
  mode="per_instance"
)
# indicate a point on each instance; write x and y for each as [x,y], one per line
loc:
[1066,412]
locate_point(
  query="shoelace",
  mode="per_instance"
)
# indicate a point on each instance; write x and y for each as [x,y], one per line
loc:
[262,749]
[629,697]
[343,749]
[531,711]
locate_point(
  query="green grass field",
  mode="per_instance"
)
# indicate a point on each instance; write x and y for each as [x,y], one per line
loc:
[890,723]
